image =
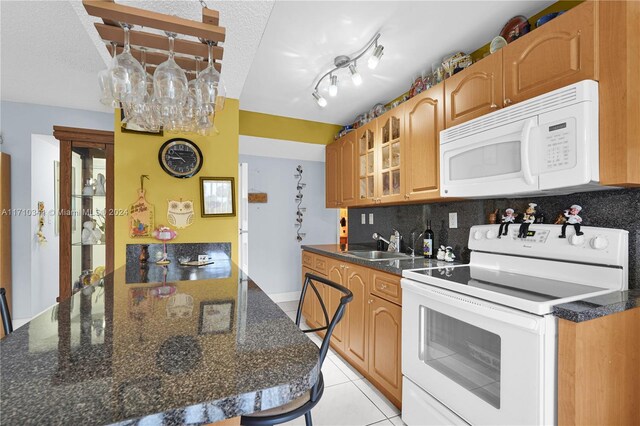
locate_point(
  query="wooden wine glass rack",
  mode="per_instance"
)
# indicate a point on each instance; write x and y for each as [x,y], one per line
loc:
[156,45]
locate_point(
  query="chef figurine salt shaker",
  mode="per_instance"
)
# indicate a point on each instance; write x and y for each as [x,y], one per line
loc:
[441,253]
[528,218]
[572,218]
[508,218]
[448,255]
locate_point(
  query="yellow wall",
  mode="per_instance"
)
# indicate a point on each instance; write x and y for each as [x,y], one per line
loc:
[137,154]
[285,128]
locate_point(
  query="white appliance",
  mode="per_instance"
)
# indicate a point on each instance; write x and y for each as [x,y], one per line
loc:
[545,145]
[479,342]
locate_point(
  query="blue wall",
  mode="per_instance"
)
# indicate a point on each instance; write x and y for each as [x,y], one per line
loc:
[18,122]
[274,253]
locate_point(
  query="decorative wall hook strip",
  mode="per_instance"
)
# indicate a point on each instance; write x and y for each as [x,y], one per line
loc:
[300,210]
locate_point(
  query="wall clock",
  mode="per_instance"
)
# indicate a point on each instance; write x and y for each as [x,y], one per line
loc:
[180,158]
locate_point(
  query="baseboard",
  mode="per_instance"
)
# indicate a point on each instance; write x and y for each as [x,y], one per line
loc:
[285,297]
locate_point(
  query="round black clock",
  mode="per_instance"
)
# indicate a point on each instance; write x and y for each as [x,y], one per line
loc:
[180,158]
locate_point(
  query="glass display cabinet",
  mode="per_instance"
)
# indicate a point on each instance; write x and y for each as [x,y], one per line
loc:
[85,211]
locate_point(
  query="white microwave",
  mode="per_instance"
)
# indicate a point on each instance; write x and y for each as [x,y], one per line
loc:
[542,146]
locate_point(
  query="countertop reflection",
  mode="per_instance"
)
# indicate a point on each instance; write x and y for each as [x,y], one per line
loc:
[175,352]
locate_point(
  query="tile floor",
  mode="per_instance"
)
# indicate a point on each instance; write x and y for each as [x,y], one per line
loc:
[349,399]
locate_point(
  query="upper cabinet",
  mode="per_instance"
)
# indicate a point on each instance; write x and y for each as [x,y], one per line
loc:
[424,119]
[332,174]
[474,91]
[366,163]
[560,53]
[390,135]
[341,172]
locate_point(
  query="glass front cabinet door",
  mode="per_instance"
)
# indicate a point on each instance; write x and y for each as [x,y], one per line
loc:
[85,220]
[367,163]
[390,133]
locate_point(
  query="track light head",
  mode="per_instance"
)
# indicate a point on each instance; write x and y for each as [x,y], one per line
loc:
[333,86]
[355,75]
[374,59]
[319,99]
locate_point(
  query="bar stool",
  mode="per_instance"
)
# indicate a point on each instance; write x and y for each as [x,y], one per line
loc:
[4,312]
[304,404]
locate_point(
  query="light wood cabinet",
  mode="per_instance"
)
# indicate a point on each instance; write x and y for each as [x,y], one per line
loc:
[309,302]
[475,91]
[369,335]
[560,53]
[385,341]
[424,119]
[367,163]
[357,315]
[348,174]
[332,175]
[336,273]
[390,152]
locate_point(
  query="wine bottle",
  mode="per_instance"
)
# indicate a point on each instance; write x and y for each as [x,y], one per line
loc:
[428,242]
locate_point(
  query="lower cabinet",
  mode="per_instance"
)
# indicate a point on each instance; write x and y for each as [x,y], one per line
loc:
[356,320]
[369,336]
[385,334]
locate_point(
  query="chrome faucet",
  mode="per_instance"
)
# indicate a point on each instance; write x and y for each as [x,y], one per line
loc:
[379,237]
[396,241]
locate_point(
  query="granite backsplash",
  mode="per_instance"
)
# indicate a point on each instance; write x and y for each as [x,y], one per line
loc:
[618,208]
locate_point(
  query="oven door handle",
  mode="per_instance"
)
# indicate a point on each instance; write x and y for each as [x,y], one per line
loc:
[524,321]
[524,150]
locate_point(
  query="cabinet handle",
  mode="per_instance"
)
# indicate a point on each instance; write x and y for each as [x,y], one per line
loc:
[507,102]
[370,301]
[494,106]
[341,266]
[406,196]
[383,286]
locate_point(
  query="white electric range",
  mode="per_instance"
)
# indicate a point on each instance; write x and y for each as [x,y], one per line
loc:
[479,343]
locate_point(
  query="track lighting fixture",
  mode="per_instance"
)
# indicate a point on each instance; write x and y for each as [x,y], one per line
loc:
[344,61]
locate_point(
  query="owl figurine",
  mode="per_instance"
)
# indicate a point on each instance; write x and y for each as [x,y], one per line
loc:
[180,213]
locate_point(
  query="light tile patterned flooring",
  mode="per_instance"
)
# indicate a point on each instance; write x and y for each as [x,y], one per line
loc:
[348,399]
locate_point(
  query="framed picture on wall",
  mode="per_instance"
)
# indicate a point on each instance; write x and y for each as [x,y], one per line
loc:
[216,317]
[217,196]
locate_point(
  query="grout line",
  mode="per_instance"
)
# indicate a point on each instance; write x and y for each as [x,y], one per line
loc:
[374,404]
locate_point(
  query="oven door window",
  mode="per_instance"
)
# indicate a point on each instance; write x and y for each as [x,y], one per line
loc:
[464,353]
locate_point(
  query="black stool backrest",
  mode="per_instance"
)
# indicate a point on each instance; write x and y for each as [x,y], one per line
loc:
[311,280]
[4,312]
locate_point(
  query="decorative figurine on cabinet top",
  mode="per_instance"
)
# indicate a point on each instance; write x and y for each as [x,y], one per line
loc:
[572,218]
[528,218]
[508,218]
[448,255]
[441,253]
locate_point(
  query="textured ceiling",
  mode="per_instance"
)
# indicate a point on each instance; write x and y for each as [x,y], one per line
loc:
[51,54]
[58,64]
[303,37]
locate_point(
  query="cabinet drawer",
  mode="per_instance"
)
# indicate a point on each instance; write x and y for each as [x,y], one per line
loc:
[386,286]
[307,259]
[320,265]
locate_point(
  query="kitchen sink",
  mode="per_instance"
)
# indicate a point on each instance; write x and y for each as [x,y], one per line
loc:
[375,255]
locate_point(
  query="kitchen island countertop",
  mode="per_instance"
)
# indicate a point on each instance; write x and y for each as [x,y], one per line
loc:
[599,306]
[184,352]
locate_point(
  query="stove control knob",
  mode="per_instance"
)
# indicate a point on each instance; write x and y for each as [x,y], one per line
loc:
[477,235]
[576,240]
[599,242]
[491,234]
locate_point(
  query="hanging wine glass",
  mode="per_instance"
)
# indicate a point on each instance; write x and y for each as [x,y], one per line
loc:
[127,75]
[170,88]
[104,80]
[210,85]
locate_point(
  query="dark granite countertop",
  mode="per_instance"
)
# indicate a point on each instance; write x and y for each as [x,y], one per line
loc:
[184,352]
[395,267]
[599,306]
